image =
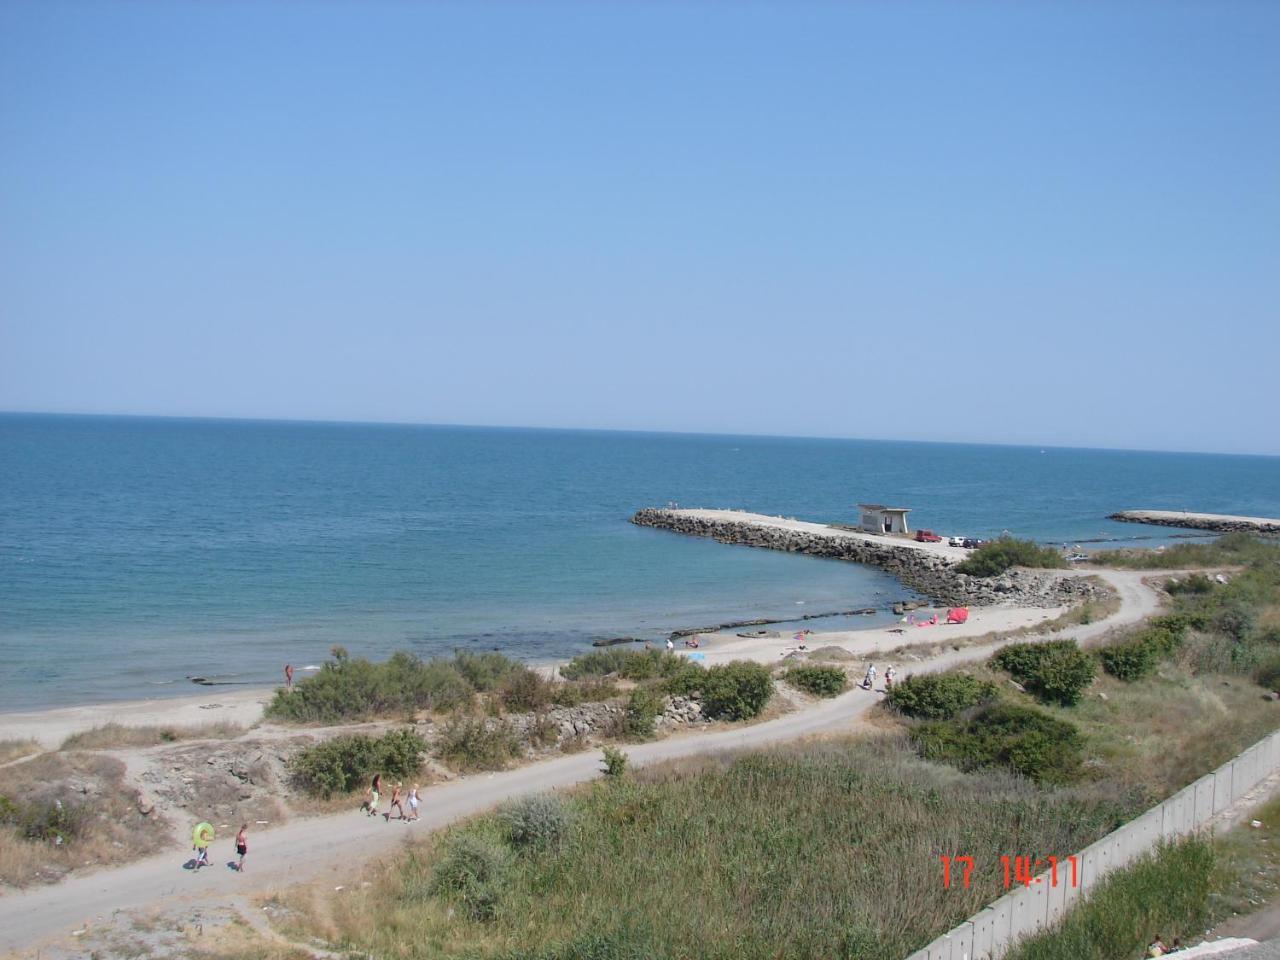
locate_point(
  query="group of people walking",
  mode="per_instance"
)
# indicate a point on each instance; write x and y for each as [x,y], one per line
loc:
[869,681]
[373,797]
[202,838]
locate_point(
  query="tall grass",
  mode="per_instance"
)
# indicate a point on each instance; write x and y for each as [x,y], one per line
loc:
[1231,549]
[826,851]
[1165,893]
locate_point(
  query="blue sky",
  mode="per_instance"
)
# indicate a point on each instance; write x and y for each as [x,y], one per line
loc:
[1047,223]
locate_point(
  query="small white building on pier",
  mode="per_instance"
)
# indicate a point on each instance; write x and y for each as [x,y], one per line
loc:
[877,518]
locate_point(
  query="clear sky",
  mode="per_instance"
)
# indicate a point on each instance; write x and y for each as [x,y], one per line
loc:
[1047,223]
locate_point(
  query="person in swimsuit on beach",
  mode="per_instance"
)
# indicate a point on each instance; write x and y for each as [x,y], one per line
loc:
[395,804]
[288,676]
[413,803]
[242,845]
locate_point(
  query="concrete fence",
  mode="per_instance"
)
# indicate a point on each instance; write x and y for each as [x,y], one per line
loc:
[1029,909]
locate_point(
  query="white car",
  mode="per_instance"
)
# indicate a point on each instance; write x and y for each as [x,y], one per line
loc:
[955,541]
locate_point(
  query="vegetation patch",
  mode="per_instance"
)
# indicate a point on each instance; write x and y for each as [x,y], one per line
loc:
[998,556]
[61,811]
[1055,672]
[1165,893]
[731,691]
[939,696]
[473,743]
[818,680]
[1231,549]
[740,830]
[11,750]
[627,664]
[347,763]
[113,735]
[1023,740]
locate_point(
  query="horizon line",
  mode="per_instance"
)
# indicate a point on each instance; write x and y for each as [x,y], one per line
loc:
[317,421]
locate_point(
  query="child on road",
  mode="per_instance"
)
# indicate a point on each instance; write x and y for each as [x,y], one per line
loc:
[242,845]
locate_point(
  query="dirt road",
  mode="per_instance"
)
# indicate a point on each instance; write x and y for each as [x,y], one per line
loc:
[332,848]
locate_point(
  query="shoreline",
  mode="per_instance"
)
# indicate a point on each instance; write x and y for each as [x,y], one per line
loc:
[244,705]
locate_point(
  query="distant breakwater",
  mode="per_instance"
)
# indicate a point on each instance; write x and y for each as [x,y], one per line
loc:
[932,575]
[1218,523]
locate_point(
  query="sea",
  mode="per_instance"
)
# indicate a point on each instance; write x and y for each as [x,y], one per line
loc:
[138,553]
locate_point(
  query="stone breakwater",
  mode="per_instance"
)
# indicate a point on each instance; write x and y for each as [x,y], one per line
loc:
[925,571]
[1217,522]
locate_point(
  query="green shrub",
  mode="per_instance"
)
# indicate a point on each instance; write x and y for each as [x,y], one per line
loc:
[735,691]
[1267,673]
[537,822]
[485,671]
[1021,739]
[939,696]
[348,762]
[1054,672]
[597,663]
[1236,620]
[52,821]
[820,681]
[615,763]
[524,690]
[685,681]
[994,558]
[642,709]
[471,871]
[1129,661]
[572,693]
[346,689]
[628,664]
[472,743]
[1197,583]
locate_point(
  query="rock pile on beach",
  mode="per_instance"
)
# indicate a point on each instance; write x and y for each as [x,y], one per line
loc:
[929,573]
[681,711]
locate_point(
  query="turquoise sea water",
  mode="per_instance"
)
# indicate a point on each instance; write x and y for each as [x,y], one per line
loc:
[135,552]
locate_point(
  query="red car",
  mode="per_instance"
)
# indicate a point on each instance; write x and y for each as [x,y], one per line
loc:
[927,536]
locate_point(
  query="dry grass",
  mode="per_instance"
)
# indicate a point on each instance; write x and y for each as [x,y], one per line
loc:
[733,855]
[113,736]
[11,750]
[106,825]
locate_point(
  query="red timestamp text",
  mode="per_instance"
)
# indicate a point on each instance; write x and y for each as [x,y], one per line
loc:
[1016,869]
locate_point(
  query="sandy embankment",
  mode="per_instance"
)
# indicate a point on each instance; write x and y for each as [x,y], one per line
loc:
[244,706]
[50,727]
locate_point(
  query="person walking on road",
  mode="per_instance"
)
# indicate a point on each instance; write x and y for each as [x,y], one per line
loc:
[413,803]
[395,804]
[242,845]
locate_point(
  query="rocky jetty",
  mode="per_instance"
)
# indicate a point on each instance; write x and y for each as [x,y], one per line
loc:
[1217,522]
[925,571]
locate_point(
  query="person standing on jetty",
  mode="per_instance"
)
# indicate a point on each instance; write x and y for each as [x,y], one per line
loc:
[242,845]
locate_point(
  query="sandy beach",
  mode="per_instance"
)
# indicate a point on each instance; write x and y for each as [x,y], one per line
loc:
[49,728]
[873,641]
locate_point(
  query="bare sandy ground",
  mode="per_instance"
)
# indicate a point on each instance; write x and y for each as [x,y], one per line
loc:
[49,728]
[873,641]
